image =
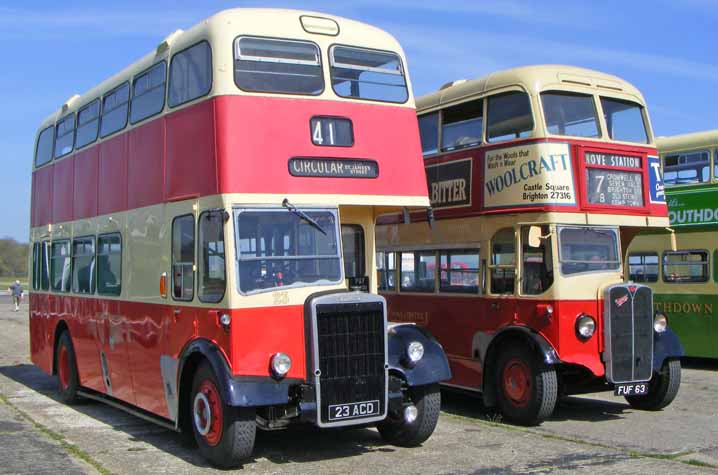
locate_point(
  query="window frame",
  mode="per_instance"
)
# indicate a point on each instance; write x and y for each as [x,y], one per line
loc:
[197,254]
[55,155]
[487,98]
[67,241]
[194,258]
[168,102]
[97,264]
[491,266]
[442,122]
[165,88]
[102,108]
[596,112]
[362,233]
[710,163]
[98,118]
[385,268]
[705,263]
[417,254]
[644,254]
[458,289]
[93,280]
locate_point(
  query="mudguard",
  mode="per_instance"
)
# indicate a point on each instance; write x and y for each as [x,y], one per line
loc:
[242,391]
[432,368]
[547,351]
[666,345]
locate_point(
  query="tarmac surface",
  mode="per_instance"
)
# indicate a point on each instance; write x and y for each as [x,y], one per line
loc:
[597,433]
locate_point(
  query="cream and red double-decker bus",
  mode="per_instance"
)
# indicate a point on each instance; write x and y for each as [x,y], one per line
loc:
[203,234]
[539,178]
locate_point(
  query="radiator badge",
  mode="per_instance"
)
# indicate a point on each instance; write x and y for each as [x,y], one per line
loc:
[621,300]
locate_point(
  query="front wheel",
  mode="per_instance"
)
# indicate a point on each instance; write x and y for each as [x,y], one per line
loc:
[68,380]
[526,388]
[396,429]
[225,434]
[662,389]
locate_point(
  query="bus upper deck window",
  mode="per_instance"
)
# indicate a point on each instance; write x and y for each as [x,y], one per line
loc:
[43,149]
[462,125]
[568,113]
[509,117]
[429,131]
[368,74]
[282,66]
[624,120]
[687,168]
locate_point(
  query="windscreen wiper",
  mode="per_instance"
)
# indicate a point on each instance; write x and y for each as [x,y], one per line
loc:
[293,209]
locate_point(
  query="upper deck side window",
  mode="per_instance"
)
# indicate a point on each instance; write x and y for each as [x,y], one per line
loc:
[624,120]
[462,125]
[569,113]
[88,124]
[65,135]
[148,93]
[190,74]
[429,131]
[360,73]
[114,110]
[687,167]
[280,66]
[43,149]
[509,116]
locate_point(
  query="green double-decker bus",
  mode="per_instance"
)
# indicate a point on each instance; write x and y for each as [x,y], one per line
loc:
[684,273]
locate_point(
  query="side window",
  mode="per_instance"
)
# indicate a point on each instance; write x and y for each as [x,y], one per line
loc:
[148,93]
[353,246]
[36,262]
[509,117]
[83,265]
[88,124]
[459,271]
[643,267]
[715,165]
[114,110]
[429,130]
[685,266]
[45,266]
[715,265]
[417,271]
[43,149]
[212,275]
[537,263]
[60,265]
[190,74]
[462,125]
[183,258]
[386,270]
[503,262]
[65,135]
[687,168]
[109,264]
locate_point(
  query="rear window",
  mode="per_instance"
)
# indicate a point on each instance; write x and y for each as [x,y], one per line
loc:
[509,117]
[282,66]
[624,120]
[568,113]
[367,74]
[43,150]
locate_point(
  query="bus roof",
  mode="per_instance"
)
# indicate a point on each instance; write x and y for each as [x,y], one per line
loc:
[533,79]
[692,141]
[223,27]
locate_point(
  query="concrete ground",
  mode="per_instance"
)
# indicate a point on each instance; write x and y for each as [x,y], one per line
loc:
[591,434]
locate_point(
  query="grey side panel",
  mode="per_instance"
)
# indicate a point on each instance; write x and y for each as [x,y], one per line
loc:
[168,366]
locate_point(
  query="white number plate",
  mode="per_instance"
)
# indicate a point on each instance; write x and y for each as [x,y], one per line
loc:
[632,389]
[353,410]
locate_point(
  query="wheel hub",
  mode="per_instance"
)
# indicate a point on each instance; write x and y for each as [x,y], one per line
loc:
[207,413]
[63,369]
[517,382]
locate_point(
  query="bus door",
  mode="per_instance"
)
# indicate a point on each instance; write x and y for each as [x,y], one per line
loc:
[355,257]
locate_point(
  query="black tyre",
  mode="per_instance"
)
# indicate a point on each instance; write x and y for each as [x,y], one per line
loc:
[395,430]
[526,388]
[662,389]
[225,435]
[68,380]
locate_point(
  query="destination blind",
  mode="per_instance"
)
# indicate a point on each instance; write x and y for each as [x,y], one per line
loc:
[609,186]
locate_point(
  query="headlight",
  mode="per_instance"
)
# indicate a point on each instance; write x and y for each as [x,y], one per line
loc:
[415,351]
[281,363]
[585,326]
[660,322]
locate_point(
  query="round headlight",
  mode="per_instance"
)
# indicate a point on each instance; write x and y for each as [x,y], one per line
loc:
[415,351]
[281,363]
[585,326]
[660,323]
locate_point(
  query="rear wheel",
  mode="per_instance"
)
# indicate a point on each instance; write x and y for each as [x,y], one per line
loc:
[526,388]
[397,430]
[662,389]
[224,434]
[68,381]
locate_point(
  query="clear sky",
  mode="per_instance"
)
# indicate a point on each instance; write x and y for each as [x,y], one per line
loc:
[52,50]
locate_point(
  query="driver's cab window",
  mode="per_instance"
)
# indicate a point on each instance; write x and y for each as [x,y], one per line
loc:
[536,260]
[354,257]
[503,262]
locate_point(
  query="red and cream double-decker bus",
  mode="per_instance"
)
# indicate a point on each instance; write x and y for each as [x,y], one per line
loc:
[203,234]
[539,178]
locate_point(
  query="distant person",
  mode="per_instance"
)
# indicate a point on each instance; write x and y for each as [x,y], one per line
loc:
[16,291]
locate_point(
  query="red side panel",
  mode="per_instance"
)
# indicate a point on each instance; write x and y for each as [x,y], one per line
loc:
[86,170]
[63,190]
[191,165]
[146,164]
[112,182]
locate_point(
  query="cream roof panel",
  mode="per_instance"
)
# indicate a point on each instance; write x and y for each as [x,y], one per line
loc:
[534,79]
[692,141]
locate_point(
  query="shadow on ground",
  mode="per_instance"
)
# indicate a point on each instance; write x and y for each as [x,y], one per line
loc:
[301,443]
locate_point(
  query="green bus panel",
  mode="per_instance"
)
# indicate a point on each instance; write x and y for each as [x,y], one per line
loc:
[694,319]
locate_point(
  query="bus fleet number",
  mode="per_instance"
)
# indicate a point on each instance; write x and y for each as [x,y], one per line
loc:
[332,132]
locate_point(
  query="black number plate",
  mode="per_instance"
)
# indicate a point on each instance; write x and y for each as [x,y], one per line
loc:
[353,410]
[631,389]
[331,131]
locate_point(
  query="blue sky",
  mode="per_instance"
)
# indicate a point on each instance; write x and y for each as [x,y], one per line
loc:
[52,50]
